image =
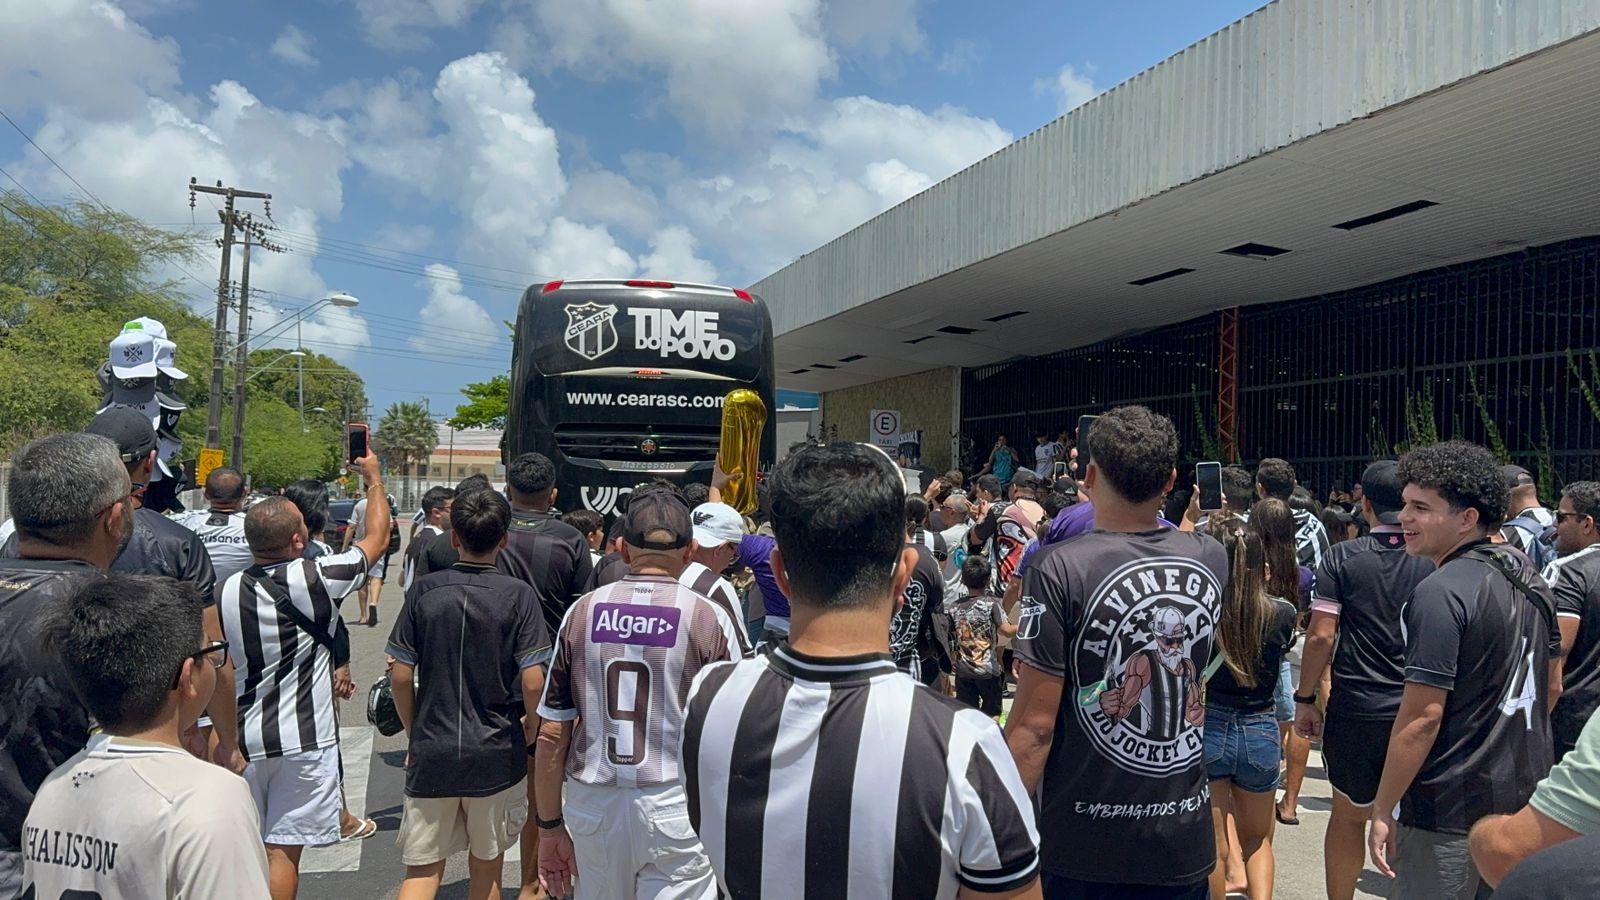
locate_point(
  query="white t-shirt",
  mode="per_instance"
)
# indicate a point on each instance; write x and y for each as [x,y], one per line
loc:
[127,818]
[223,535]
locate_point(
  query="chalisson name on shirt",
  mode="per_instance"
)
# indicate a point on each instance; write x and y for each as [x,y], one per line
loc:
[69,850]
[620,623]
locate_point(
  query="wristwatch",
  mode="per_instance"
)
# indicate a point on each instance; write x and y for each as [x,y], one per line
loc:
[1305,698]
[547,824]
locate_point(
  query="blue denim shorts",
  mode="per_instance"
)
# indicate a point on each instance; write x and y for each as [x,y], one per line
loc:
[1242,747]
[1285,692]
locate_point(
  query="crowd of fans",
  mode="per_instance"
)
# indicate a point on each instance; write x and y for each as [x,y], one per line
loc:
[810,701]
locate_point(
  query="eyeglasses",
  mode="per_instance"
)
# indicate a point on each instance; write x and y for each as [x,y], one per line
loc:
[217,651]
[1563,516]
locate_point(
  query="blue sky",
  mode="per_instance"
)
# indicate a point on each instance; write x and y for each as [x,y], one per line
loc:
[433,156]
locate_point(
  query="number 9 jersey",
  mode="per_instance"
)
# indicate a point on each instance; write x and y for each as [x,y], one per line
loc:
[623,662]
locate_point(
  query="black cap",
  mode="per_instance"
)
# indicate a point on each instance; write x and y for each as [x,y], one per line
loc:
[128,428]
[1380,484]
[1517,476]
[652,512]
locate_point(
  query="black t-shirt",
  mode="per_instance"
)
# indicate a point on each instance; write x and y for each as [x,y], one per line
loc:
[1370,579]
[1224,689]
[469,632]
[1124,797]
[611,568]
[1575,580]
[159,546]
[417,551]
[551,556]
[911,628]
[436,556]
[42,721]
[1310,539]
[1566,871]
[1469,632]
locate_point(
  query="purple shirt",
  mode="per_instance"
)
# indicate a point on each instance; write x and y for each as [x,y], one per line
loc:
[755,553]
[1069,523]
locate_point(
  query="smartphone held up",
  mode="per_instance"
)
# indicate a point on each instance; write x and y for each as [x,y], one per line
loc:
[355,438]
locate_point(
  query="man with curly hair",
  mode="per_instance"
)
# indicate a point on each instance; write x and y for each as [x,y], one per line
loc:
[1472,737]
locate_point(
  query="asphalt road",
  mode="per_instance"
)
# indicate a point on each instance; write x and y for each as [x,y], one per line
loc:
[371,869]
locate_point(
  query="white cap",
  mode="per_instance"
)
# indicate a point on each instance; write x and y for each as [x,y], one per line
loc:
[151,410]
[716,524]
[166,359]
[133,355]
[148,326]
[167,450]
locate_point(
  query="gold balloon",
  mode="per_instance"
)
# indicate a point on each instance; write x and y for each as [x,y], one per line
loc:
[743,417]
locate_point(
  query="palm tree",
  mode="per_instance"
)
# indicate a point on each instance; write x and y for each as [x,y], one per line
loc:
[406,435]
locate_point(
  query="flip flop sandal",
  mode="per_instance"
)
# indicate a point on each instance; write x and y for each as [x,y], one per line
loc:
[369,827]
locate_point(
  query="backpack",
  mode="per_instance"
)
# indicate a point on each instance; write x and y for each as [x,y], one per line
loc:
[1499,559]
[1537,550]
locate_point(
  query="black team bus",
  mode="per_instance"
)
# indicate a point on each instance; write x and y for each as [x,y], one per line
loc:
[621,382]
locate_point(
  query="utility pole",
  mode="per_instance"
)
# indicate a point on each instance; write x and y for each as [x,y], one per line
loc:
[241,358]
[219,333]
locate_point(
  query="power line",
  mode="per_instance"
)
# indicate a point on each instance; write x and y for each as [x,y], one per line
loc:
[53,161]
[454,262]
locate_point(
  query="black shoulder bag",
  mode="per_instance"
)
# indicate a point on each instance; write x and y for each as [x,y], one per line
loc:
[338,645]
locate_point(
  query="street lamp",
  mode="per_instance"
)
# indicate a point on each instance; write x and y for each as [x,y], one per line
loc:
[292,354]
[337,298]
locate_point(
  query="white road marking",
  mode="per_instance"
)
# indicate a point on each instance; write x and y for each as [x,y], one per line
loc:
[355,743]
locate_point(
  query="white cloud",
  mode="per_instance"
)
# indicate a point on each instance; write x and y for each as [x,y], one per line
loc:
[293,46]
[727,67]
[611,199]
[574,250]
[81,53]
[1071,88]
[961,58]
[399,25]
[672,257]
[450,310]
[879,27]
[827,173]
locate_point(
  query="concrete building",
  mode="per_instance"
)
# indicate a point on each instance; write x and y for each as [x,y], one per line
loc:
[1229,234]
[463,452]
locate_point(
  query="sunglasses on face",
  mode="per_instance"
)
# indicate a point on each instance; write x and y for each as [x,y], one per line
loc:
[215,653]
[1563,516]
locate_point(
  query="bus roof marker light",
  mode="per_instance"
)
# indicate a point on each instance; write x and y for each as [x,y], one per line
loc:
[744,295]
[550,286]
[650,284]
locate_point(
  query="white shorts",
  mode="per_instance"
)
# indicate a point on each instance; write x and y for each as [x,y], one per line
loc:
[379,569]
[636,843]
[298,796]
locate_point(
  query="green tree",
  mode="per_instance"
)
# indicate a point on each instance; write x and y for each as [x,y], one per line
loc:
[406,435]
[69,277]
[486,406]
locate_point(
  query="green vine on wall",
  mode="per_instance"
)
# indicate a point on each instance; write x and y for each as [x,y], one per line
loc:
[1497,443]
[1210,443]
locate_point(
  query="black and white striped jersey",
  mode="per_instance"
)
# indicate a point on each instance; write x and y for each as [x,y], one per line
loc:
[699,578]
[843,777]
[283,676]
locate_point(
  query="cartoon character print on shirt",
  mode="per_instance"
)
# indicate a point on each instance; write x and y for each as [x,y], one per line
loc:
[1145,640]
[1010,540]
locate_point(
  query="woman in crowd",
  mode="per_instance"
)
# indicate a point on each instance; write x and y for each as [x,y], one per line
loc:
[1273,521]
[1253,633]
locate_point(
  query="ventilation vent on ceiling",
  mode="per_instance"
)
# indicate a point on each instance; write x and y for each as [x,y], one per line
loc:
[1004,316]
[956,329]
[1255,251]
[852,357]
[1393,212]
[798,371]
[1163,276]
[926,337]
[822,366]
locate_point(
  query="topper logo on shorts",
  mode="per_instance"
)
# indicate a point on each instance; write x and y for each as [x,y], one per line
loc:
[1146,637]
[625,623]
